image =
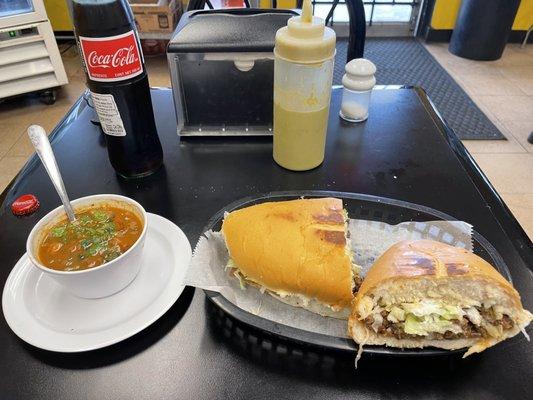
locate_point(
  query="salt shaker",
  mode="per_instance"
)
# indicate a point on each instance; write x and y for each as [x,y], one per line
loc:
[358,82]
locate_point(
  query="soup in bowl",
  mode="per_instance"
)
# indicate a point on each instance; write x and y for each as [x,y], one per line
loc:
[98,254]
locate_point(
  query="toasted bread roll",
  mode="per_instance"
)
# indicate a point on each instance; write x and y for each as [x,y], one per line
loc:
[425,293]
[297,250]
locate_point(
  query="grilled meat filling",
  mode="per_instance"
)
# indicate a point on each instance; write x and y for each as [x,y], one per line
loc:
[469,329]
[357,280]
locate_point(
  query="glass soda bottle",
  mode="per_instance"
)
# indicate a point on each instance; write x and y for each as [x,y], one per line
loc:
[116,77]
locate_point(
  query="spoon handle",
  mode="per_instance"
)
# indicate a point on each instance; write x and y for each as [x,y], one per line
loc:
[40,141]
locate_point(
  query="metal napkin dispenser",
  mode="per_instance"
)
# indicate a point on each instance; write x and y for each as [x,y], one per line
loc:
[222,70]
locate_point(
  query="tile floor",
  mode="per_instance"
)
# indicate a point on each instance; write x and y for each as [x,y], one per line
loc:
[503,89]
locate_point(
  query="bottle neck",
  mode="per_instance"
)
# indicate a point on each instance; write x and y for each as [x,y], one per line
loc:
[102,18]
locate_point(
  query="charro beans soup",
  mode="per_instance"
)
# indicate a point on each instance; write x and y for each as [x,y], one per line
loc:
[101,233]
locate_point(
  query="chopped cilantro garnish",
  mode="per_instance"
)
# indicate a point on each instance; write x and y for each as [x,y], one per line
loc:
[59,231]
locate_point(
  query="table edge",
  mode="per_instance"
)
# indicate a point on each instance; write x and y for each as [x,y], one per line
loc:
[498,208]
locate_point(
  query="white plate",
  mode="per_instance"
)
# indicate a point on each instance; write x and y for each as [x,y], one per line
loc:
[45,315]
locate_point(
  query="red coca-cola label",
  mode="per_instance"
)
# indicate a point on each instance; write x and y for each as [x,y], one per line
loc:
[113,58]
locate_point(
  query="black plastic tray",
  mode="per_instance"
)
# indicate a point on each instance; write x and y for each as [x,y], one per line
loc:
[359,206]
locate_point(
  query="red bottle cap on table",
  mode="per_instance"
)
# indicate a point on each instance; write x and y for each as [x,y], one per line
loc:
[25,205]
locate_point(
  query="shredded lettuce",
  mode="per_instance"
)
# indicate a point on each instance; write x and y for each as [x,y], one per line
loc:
[396,314]
[428,324]
[428,307]
[365,307]
[240,278]
[230,265]
[473,315]
[426,316]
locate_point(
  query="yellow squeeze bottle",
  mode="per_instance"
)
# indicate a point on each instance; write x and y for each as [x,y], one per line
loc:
[303,71]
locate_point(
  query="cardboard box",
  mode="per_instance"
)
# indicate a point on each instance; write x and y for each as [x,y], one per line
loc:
[156,16]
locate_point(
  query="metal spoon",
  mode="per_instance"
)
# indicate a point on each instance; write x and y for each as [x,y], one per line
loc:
[40,141]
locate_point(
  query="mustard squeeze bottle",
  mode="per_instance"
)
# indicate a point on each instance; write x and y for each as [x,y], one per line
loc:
[303,70]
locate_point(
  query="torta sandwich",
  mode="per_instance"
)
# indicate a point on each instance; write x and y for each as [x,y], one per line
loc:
[425,293]
[296,251]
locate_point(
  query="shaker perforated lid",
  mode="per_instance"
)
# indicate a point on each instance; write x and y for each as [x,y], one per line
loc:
[359,75]
[305,39]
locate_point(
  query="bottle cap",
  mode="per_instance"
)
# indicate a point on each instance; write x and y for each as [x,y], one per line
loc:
[359,75]
[305,39]
[25,205]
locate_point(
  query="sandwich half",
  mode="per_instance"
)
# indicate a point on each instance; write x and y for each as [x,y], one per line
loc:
[425,293]
[296,251]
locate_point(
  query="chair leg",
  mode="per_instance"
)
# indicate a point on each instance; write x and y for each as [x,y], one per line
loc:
[356,42]
[527,37]
[331,10]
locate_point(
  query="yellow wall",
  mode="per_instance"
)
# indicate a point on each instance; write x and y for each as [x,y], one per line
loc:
[524,16]
[58,15]
[445,14]
[281,4]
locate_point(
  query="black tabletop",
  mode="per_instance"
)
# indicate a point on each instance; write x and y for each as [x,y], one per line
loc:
[404,151]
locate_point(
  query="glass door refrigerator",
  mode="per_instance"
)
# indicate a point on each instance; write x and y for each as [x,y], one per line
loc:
[29,58]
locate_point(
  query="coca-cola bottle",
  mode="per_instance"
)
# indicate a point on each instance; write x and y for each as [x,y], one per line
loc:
[116,76]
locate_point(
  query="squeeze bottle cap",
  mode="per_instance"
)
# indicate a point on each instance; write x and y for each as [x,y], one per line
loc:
[305,39]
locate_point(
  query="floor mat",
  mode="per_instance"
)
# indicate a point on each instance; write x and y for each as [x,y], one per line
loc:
[405,61]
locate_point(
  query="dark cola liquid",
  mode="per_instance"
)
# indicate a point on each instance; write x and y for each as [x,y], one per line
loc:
[139,152]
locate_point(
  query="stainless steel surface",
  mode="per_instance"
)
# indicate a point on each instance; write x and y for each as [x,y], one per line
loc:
[40,141]
[225,131]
